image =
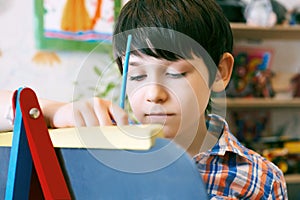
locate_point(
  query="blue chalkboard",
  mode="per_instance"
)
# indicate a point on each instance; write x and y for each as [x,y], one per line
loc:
[163,172]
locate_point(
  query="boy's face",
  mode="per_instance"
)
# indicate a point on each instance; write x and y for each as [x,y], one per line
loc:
[174,94]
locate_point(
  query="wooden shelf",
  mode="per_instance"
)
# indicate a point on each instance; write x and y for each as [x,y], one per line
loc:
[278,32]
[259,103]
[292,178]
[283,32]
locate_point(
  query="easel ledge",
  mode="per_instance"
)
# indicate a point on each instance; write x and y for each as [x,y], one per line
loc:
[128,137]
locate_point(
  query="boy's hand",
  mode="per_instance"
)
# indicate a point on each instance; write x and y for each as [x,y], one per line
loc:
[91,112]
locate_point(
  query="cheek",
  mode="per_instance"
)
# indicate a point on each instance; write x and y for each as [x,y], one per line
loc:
[191,106]
[203,99]
[202,92]
[136,99]
[193,97]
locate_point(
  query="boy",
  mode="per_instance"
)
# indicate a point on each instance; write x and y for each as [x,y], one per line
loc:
[170,80]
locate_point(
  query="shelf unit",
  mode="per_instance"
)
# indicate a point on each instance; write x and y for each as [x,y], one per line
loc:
[242,31]
[262,103]
[292,178]
[286,32]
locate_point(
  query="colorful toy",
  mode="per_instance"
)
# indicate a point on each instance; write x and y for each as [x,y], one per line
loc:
[251,76]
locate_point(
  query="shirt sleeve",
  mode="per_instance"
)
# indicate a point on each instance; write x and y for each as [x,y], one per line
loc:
[279,189]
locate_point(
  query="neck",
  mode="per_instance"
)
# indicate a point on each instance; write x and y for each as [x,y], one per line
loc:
[192,139]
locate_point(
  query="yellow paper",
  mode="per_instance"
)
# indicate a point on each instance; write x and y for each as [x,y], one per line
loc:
[130,137]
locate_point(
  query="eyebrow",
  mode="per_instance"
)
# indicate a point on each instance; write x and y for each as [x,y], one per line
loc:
[134,63]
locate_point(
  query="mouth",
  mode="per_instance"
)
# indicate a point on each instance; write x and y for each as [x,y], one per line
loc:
[159,114]
[160,118]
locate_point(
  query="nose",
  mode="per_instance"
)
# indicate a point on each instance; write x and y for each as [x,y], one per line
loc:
[156,93]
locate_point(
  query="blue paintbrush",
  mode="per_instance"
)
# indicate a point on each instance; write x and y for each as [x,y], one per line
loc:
[125,71]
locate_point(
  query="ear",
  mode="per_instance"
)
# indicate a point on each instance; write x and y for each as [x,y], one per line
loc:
[223,74]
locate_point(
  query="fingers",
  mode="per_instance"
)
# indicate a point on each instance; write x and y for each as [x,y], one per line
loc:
[96,111]
[109,114]
[118,114]
[92,112]
[84,114]
[101,108]
[64,116]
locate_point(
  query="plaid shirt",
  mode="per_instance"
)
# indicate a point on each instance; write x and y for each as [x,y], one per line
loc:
[231,171]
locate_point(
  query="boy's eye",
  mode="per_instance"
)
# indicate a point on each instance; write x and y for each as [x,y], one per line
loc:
[137,77]
[176,75]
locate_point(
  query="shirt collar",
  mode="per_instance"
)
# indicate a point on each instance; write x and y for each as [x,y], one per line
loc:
[218,127]
[214,126]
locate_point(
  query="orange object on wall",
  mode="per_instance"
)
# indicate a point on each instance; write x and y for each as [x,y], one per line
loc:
[76,17]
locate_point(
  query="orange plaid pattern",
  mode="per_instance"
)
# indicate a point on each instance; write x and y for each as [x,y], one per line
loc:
[232,171]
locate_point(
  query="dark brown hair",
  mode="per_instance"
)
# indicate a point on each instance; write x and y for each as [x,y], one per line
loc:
[201,20]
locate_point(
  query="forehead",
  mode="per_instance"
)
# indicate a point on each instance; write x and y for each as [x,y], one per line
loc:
[140,60]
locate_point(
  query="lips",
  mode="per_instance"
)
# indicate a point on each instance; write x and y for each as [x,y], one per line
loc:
[158,115]
[160,118]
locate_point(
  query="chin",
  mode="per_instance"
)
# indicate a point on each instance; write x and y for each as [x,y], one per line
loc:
[169,133]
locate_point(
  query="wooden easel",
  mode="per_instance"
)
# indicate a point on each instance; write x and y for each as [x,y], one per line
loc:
[33,165]
[38,171]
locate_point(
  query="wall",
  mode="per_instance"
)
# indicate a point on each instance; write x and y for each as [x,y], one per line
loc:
[57,81]
[17,49]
